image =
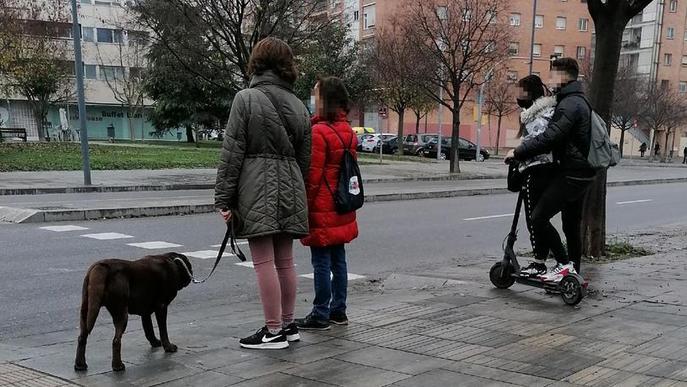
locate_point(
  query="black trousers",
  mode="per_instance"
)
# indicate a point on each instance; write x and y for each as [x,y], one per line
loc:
[564,194]
[536,182]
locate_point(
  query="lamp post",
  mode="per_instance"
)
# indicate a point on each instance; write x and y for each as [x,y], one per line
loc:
[78,63]
[534,27]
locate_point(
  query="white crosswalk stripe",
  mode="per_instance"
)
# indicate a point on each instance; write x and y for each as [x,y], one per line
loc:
[107,236]
[63,228]
[245,264]
[238,243]
[206,254]
[351,276]
[154,245]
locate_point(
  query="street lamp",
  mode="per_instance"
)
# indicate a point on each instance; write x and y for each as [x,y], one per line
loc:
[534,27]
[78,63]
[480,102]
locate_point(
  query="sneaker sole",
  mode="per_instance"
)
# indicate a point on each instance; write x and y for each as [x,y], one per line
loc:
[279,345]
[291,338]
[339,322]
[314,329]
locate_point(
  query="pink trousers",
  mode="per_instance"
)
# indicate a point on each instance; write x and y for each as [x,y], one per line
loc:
[273,262]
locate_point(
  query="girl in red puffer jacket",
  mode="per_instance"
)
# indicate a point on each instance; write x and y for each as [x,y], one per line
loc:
[329,230]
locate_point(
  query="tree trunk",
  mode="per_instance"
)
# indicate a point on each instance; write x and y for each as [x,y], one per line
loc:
[40,128]
[189,134]
[609,36]
[622,142]
[665,147]
[455,135]
[498,135]
[401,119]
[417,123]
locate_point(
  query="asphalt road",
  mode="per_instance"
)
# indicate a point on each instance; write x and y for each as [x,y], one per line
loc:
[42,270]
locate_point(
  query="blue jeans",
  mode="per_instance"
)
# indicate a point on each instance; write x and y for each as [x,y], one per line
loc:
[330,291]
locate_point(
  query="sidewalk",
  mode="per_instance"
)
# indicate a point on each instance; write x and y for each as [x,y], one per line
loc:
[440,326]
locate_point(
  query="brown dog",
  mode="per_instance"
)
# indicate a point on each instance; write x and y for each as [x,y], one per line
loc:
[140,287]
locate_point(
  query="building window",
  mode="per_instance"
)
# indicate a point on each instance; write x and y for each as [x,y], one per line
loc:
[111,73]
[86,2]
[561,23]
[515,19]
[581,52]
[514,48]
[536,49]
[673,5]
[539,21]
[106,35]
[356,15]
[90,71]
[583,24]
[88,34]
[559,50]
[138,37]
[684,60]
[369,18]
[683,87]
[670,33]
[665,83]
[667,59]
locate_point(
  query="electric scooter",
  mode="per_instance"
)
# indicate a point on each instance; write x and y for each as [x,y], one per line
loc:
[505,273]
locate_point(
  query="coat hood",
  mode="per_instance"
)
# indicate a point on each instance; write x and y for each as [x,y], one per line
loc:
[540,106]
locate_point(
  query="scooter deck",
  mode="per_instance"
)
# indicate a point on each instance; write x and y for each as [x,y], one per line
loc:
[549,286]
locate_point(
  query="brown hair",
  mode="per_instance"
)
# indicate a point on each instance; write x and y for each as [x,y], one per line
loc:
[334,97]
[567,65]
[272,54]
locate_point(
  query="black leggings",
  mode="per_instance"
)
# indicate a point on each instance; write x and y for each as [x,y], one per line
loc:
[564,194]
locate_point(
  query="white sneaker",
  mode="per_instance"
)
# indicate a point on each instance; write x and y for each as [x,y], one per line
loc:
[559,271]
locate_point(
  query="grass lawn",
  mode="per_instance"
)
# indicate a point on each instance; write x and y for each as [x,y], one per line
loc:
[67,156]
[211,144]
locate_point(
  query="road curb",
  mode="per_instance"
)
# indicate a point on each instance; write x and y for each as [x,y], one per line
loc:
[22,215]
[200,186]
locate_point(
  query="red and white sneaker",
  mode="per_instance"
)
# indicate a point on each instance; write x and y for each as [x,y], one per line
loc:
[558,272]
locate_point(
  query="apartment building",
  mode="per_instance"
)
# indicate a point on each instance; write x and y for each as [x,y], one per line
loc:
[107,36]
[655,46]
[562,27]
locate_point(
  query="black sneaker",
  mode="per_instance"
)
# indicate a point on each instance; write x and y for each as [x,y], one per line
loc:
[263,339]
[312,324]
[534,270]
[338,319]
[291,332]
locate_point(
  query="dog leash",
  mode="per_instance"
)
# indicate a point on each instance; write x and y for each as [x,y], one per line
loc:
[229,238]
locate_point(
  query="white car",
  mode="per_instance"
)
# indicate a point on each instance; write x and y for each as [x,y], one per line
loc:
[371,141]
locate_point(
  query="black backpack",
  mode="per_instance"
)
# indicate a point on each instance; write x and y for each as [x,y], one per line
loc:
[349,194]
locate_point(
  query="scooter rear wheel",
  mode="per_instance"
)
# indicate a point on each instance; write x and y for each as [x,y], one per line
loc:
[501,277]
[572,290]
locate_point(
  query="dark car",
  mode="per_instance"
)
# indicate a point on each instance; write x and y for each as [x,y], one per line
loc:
[389,146]
[466,149]
[414,144]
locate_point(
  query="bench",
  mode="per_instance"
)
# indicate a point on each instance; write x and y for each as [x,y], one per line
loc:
[13,133]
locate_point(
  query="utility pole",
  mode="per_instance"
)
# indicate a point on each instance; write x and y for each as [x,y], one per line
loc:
[78,63]
[441,108]
[534,27]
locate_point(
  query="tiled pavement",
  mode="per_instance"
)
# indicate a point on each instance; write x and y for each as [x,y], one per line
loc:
[432,332]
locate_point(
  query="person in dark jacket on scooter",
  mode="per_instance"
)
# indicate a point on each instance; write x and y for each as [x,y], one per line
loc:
[568,137]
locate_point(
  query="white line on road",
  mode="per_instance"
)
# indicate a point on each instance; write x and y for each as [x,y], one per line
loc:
[237,243]
[634,201]
[206,254]
[351,276]
[488,217]
[64,228]
[105,236]
[154,245]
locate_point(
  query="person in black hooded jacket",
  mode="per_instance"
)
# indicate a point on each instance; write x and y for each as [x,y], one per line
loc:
[568,138]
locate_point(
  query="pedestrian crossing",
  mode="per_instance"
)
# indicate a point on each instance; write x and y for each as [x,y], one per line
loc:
[160,245]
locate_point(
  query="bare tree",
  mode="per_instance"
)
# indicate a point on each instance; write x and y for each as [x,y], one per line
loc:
[610,19]
[664,111]
[225,31]
[35,59]
[394,65]
[461,40]
[627,101]
[421,106]
[123,69]
[500,101]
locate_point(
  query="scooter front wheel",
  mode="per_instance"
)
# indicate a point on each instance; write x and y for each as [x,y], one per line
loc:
[500,276]
[572,289]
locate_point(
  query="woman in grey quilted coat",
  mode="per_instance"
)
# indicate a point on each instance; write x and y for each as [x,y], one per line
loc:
[538,107]
[261,183]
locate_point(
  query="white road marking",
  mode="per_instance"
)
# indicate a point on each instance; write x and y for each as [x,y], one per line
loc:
[63,228]
[107,236]
[206,254]
[488,217]
[154,245]
[351,276]
[245,264]
[237,243]
[634,201]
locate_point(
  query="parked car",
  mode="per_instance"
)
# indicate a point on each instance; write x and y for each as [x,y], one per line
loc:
[371,141]
[389,146]
[466,149]
[414,144]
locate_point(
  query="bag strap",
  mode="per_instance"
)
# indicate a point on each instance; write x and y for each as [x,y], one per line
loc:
[284,121]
